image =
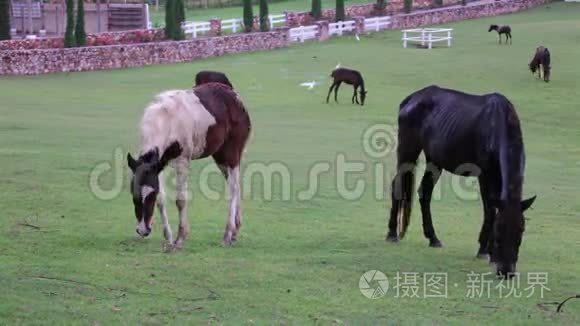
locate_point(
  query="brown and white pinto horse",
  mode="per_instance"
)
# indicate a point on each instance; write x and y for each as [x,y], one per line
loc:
[180,126]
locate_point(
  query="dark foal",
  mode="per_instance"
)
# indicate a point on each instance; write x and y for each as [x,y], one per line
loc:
[208,76]
[467,135]
[541,58]
[351,77]
[502,30]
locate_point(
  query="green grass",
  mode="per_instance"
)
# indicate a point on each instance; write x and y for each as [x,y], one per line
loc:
[296,262]
[158,16]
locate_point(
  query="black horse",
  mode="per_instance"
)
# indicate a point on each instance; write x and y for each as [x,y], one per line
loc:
[541,58]
[502,30]
[467,135]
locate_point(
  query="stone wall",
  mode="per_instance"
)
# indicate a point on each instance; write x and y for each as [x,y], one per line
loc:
[109,38]
[304,18]
[31,62]
[470,11]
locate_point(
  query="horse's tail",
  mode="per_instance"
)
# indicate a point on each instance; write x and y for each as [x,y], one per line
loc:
[405,203]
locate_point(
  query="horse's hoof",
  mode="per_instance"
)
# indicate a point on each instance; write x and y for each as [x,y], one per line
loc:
[392,238]
[435,244]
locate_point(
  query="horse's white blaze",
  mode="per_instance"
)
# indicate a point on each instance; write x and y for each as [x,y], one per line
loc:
[146,191]
[176,115]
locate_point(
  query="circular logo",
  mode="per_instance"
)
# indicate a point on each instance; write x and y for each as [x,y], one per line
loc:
[379,140]
[373,284]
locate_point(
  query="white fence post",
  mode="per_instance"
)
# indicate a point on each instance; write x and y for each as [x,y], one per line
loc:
[448,39]
[429,40]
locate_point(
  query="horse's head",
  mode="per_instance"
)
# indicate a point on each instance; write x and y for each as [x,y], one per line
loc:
[492,28]
[508,230]
[145,183]
[363,95]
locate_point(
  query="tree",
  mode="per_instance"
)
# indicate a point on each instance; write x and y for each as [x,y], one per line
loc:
[264,19]
[316,9]
[438,3]
[4,19]
[174,15]
[179,18]
[408,5]
[339,16]
[69,37]
[80,35]
[248,16]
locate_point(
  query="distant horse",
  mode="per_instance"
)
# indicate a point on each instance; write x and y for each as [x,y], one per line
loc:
[185,125]
[351,77]
[502,30]
[541,58]
[208,76]
[467,135]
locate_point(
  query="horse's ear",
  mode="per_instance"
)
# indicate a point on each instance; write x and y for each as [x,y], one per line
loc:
[131,162]
[527,203]
[170,153]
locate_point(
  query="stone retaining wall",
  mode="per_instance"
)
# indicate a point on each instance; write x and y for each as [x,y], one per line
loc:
[32,62]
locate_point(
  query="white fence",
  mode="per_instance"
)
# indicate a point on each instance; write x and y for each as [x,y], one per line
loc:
[377,23]
[339,28]
[232,24]
[303,33]
[277,20]
[195,28]
[425,35]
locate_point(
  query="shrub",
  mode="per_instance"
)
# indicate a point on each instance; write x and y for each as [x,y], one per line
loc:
[408,5]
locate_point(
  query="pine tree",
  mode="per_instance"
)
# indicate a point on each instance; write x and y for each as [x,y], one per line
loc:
[179,18]
[248,16]
[69,37]
[316,9]
[339,16]
[408,5]
[264,16]
[80,35]
[4,19]
[170,23]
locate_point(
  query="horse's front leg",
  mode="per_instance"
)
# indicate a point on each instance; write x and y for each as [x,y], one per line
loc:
[329,92]
[163,212]
[234,217]
[336,92]
[182,171]
[486,190]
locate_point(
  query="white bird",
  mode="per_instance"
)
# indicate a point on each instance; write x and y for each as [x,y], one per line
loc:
[357,38]
[310,85]
[337,66]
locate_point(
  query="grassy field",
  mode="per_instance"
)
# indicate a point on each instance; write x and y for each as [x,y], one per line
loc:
[158,16]
[68,257]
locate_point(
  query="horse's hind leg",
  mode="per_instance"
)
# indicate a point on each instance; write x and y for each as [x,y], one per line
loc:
[428,182]
[510,35]
[402,185]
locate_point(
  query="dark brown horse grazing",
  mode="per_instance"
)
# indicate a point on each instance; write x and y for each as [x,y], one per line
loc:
[180,126]
[541,58]
[351,77]
[502,30]
[467,135]
[208,76]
